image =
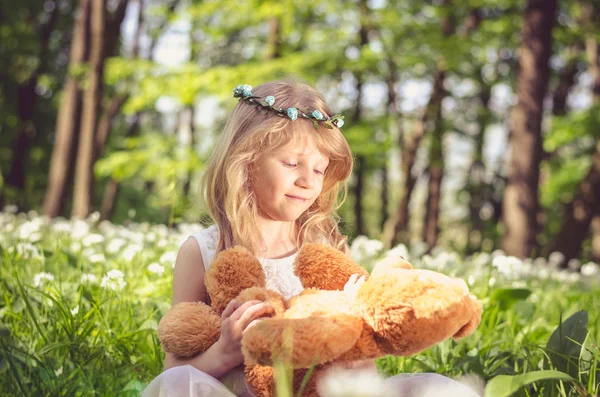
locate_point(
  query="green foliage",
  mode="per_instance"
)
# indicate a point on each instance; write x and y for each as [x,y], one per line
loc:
[154,159]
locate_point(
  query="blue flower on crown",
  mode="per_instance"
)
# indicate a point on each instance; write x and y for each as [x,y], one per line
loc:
[339,123]
[292,113]
[317,115]
[242,91]
[270,100]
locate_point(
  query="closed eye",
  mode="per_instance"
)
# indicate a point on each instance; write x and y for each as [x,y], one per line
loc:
[289,164]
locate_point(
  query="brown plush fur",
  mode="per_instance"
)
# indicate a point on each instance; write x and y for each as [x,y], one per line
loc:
[397,311]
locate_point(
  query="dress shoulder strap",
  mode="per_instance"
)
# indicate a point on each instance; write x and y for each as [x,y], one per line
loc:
[207,240]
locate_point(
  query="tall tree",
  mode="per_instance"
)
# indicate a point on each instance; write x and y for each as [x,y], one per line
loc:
[26,103]
[360,167]
[520,204]
[581,215]
[67,124]
[84,176]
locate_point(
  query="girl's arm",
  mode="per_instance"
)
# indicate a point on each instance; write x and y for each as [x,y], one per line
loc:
[188,286]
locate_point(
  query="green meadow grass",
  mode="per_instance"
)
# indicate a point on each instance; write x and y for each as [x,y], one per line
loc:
[80,302]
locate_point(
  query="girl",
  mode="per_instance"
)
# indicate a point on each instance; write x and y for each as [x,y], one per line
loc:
[271,185]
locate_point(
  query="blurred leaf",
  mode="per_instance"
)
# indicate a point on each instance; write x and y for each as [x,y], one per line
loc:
[507,297]
[506,385]
[564,345]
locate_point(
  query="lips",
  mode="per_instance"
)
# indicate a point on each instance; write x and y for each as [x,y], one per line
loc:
[296,198]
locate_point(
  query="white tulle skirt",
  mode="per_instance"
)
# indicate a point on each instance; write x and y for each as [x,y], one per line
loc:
[187,381]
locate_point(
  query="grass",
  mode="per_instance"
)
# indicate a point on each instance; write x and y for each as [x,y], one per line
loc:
[80,302]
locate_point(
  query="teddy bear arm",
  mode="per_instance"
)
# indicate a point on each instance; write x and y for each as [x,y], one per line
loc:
[302,342]
[471,326]
[189,328]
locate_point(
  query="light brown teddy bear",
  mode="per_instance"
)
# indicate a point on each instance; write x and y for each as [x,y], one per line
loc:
[397,310]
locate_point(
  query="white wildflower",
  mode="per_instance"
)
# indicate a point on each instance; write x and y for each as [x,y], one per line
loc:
[115,245]
[11,209]
[75,246]
[162,243]
[27,250]
[590,269]
[556,258]
[471,280]
[80,229]
[363,248]
[543,274]
[574,264]
[93,217]
[168,258]
[573,277]
[75,310]
[492,281]
[482,259]
[91,239]
[156,268]
[61,226]
[29,230]
[113,280]
[519,284]
[540,262]
[41,278]
[510,266]
[338,382]
[97,258]
[87,278]
[131,251]
[59,371]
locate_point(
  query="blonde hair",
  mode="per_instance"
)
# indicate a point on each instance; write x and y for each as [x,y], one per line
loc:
[248,133]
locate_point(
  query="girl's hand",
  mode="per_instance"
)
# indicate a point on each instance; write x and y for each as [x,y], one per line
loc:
[235,319]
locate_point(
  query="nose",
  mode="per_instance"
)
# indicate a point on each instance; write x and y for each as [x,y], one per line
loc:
[306,179]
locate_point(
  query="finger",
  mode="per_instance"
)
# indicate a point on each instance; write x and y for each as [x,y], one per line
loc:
[252,323]
[252,313]
[239,311]
[352,279]
[231,307]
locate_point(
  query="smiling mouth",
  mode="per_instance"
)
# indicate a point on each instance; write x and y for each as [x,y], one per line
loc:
[296,198]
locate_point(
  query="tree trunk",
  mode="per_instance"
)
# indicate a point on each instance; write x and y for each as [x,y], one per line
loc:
[476,181]
[579,213]
[84,176]
[68,121]
[525,141]
[595,229]
[581,216]
[186,140]
[436,154]
[112,188]
[397,228]
[273,40]
[359,164]
[394,122]
[436,174]
[26,109]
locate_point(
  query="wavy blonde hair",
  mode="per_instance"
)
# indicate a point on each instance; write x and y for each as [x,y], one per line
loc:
[248,133]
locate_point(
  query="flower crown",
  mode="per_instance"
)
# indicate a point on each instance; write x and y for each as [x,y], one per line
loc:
[244,92]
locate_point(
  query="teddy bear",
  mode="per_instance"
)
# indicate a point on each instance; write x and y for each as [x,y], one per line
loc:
[395,310]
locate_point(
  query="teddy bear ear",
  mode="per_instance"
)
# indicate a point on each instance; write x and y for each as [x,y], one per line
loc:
[388,263]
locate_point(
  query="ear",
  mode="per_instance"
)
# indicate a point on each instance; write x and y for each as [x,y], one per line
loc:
[231,272]
[324,267]
[388,263]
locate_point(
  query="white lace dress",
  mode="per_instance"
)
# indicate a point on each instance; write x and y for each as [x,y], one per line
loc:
[187,381]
